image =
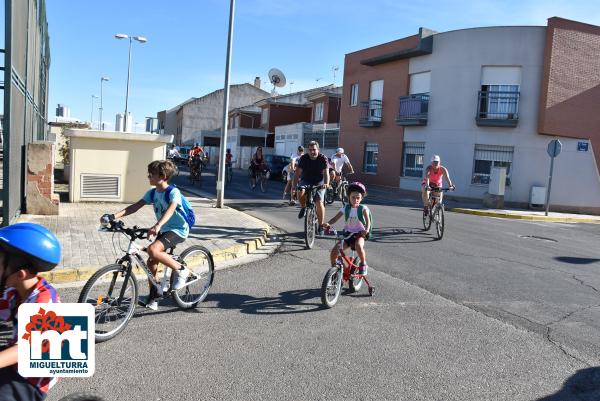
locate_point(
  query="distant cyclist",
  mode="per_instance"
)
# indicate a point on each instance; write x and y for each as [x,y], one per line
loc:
[434,175]
[257,164]
[196,160]
[173,153]
[339,160]
[290,176]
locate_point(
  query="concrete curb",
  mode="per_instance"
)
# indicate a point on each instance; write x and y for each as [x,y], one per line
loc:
[75,274]
[555,219]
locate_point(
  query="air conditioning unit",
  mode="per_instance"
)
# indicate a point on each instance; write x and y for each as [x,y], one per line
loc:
[537,199]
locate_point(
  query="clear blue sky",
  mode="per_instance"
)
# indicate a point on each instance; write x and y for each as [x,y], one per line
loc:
[185,53]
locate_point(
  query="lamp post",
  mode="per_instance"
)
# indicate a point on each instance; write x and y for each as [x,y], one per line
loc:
[221,173]
[92,113]
[102,79]
[140,39]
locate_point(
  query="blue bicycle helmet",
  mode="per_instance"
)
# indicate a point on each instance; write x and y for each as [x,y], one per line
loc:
[33,242]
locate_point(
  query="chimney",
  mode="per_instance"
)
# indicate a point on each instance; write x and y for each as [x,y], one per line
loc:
[257,82]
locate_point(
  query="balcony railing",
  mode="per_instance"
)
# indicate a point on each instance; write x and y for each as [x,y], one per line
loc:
[498,109]
[370,115]
[413,109]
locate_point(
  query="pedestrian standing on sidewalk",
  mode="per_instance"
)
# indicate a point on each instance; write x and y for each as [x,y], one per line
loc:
[290,176]
[170,229]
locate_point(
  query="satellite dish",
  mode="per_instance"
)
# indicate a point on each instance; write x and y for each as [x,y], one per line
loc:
[276,77]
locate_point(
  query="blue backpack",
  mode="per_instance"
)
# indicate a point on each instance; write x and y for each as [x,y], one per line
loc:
[187,212]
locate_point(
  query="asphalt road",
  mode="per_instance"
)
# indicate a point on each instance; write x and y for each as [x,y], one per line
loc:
[497,310]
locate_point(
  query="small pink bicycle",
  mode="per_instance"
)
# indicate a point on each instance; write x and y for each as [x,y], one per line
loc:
[345,270]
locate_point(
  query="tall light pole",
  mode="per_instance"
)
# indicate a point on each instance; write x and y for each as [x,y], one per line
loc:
[101,82]
[140,39]
[221,175]
[92,112]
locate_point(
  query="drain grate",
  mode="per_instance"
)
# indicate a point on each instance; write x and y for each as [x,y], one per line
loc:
[535,237]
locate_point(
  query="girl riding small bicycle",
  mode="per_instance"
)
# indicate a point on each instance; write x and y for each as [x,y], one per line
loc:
[357,222]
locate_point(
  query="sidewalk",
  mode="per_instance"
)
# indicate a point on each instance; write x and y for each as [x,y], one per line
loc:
[227,233]
[411,198]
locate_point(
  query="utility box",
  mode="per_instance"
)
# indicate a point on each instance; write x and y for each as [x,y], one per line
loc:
[497,181]
[537,199]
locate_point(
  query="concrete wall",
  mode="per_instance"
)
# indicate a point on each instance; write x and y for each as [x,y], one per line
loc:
[111,153]
[456,65]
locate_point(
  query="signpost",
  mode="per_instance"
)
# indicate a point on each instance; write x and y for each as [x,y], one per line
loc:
[554,149]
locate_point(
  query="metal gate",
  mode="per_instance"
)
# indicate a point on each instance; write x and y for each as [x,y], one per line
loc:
[25,90]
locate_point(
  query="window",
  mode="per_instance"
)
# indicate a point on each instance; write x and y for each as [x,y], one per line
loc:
[264,118]
[499,101]
[371,156]
[354,95]
[413,159]
[318,112]
[488,156]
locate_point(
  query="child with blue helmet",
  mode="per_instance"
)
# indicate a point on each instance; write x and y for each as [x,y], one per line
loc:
[26,249]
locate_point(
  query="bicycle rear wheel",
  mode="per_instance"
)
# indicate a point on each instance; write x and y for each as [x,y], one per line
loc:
[200,262]
[114,295]
[310,220]
[331,287]
[329,196]
[439,221]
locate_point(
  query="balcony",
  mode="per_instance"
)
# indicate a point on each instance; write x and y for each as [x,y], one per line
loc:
[370,114]
[497,109]
[413,110]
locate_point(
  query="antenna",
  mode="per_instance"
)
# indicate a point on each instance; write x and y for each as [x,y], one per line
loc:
[335,69]
[291,84]
[277,78]
[317,81]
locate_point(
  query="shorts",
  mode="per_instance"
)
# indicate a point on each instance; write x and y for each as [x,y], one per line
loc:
[291,175]
[13,386]
[320,194]
[169,239]
[351,242]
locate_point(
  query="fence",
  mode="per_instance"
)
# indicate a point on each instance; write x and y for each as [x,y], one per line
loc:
[25,90]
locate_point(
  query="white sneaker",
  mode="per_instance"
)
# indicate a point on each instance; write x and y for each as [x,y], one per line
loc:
[150,303]
[180,278]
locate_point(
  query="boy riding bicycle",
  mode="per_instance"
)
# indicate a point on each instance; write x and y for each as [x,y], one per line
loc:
[357,224]
[25,250]
[170,229]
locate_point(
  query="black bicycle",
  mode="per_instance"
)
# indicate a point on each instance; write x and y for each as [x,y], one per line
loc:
[436,211]
[311,222]
[113,290]
[196,170]
[337,191]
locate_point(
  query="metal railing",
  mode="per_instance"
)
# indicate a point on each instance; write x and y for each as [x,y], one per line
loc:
[371,111]
[498,108]
[413,109]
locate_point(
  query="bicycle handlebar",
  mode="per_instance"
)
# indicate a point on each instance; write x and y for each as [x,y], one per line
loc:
[118,226]
[337,235]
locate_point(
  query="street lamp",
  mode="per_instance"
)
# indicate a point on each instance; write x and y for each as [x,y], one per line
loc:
[101,82]
[140,39]
[92,113]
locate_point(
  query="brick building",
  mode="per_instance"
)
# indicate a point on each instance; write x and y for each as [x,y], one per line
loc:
[481,98]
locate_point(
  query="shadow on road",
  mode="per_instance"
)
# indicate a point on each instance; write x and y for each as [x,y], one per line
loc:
[584,385]
[405,235]
[288,302]
[576,261]
[240,234]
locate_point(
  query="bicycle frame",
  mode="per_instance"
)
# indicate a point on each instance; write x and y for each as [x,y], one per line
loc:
[349,268]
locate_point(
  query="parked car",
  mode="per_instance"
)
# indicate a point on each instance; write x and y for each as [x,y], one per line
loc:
[277,163]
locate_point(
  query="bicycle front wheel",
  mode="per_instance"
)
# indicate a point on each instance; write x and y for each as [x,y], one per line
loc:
[439,221]
[329,196]
[310,220]
[113,292]
[200,262]
[263,183]
[355,283]
[331,287]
